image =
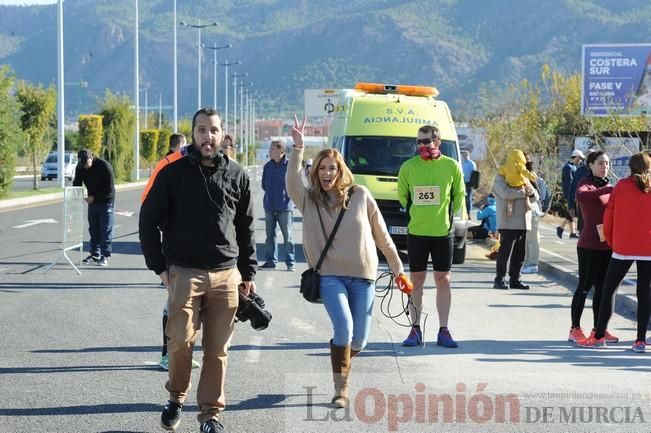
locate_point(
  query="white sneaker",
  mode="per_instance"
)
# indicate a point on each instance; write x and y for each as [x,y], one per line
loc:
[164,362]
[530,269]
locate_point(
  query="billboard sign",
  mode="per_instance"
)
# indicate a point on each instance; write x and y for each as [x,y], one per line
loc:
[616,79]
[320,102]
[474,141]
[620,149]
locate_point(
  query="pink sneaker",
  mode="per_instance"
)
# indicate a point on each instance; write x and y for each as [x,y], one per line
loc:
[576,335]
[592,342]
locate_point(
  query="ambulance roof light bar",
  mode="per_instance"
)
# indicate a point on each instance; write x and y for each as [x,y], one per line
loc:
[398,89]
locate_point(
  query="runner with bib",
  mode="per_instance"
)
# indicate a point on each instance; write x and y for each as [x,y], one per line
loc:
[431,188]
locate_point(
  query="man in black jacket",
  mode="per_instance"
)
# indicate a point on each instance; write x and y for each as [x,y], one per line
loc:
[202,203]
[97,175]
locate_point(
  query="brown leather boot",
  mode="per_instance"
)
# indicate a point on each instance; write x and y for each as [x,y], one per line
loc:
[354,353]
[340,358]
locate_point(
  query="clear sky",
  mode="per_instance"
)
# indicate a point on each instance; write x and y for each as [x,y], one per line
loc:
[26,2]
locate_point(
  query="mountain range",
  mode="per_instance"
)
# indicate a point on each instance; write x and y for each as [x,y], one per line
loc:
[460,46]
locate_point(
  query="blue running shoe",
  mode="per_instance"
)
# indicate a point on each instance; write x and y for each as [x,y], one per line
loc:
[445,339]
[639,346]
[415,337]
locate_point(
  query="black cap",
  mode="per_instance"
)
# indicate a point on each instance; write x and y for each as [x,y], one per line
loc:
[84,155]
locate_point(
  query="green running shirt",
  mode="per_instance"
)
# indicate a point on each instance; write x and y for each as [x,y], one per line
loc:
[425,188]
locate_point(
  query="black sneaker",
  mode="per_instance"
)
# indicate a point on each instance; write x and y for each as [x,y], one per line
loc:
[90,259]
[517,284]
[212,426]
[574,236]
[268,266]
[499,283]
[171,416]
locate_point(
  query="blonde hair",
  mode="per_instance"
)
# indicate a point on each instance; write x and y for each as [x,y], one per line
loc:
[342,183]
[640,165]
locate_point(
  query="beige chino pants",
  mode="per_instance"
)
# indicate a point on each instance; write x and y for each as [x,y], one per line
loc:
[200,297]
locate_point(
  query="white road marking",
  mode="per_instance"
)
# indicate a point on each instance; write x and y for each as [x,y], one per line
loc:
[558,256]
[253,355]
[29,223]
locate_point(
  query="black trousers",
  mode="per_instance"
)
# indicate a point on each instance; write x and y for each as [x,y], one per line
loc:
[617,270]
[512,245]
[593,265]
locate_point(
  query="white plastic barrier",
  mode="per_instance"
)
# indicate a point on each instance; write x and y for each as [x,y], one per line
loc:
[73,225]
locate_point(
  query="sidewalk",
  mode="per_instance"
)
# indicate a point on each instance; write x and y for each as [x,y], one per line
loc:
[15,203]
[558,260]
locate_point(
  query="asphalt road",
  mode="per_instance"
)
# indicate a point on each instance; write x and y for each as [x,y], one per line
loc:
[79,353]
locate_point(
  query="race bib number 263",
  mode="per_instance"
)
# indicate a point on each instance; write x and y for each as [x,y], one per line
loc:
[427,195]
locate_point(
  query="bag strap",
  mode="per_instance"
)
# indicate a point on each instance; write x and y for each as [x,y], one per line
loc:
[334,230]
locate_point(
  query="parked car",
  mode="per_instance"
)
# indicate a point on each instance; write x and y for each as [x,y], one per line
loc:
[50,167]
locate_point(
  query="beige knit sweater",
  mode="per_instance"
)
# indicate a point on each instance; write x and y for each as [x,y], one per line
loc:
[353,249]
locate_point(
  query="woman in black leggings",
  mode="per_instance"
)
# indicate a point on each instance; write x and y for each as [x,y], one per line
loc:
[627,228]
[592,194]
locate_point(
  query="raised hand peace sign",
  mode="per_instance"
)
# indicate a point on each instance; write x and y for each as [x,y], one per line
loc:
[297,132]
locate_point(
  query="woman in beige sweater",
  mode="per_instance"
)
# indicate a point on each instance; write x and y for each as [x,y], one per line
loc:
[349,269]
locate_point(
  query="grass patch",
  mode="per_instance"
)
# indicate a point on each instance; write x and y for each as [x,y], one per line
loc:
[30,192]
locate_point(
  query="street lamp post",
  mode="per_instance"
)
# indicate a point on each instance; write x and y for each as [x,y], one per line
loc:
[175,79]
[242,117]
[215,48]
[199,27]
[60,100]
[136,150]
[146,108]
[235,77]
[226,65]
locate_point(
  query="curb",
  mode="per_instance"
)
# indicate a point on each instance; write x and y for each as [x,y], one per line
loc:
[625,304]
[16,203]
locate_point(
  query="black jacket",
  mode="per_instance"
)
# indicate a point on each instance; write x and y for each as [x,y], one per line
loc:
[206,216]
[98,180]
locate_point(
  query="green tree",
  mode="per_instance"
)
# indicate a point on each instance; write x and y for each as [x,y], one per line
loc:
[72,141]
[10,133]
[91,133]
[37,106]
[185,128]
[531,116]
[163,142]
[119,122]
[149,146]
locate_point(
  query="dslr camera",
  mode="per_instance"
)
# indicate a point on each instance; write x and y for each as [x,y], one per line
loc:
[251,308]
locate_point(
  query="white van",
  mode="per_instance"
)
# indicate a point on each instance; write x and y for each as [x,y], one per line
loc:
[50,168]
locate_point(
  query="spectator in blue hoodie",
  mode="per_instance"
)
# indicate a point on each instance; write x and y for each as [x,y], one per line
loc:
[488,217]
[277,207]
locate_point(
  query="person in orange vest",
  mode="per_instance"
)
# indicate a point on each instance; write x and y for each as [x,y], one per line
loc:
[176,151]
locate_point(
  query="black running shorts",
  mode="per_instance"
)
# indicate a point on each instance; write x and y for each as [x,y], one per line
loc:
[421,248]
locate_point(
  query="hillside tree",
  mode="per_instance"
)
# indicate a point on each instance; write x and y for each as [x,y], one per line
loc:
[149,146]
[91,133]
[37,115]
[119,123]
[10,133]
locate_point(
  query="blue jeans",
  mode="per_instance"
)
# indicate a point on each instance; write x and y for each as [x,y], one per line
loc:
[285,220]
[349,303]
[100,227]
[469,192]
